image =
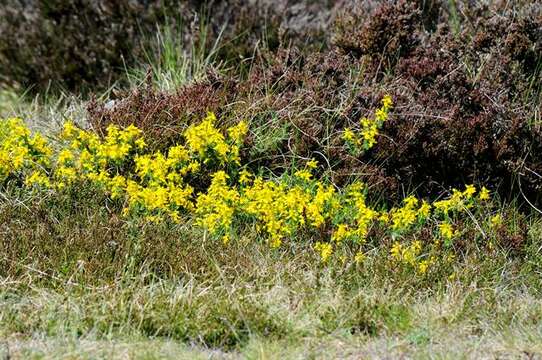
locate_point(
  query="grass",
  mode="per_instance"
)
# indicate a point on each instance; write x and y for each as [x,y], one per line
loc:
[78,282]
[174,58]
[276,307]
[44,112]
[494,347]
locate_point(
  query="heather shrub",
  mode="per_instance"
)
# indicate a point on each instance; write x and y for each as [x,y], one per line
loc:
[385,33]
[247,26]
[465,102]
[73,44]
[465,110]
[468,110]
[162,115]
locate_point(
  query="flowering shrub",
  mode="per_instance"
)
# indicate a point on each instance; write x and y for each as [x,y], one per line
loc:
[157,187]
[23,153]
[366,138]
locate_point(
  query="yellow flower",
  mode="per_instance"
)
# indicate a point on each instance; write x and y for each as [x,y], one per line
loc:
[225,239]
[360,257]
[140,143]
[312,164]
[244,177]
[369,131]
[67,174]
[446,231]
[423,266]
[303,174]
[341,233]
[396,250]
[238,132]
[116,186]
[316,207]
[369,127]
[177,155]
[325,250]
[349,136]
[387,102]
[38,178]
[410,253]
[65,156]
[425,210]
[275,242]
[403,218]
[211,117]
[410,201]
[496,220]
[381,115]
[484,194]
[69,130]
[216,208]
[469,191]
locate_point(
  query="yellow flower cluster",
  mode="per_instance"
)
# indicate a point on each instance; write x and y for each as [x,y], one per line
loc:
[23,154]
[458,202]
[354,219]
[365,138]
[152,183]
[443,213]
[405,217]
[205,138]
[159,186]
[217,207]
[280,209]
[411,255]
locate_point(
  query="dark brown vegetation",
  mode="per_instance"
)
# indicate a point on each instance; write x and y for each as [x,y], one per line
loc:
[465,79]
[82,44]
[73,43]
[161,115]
